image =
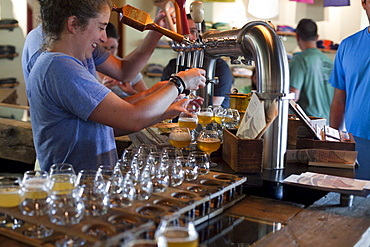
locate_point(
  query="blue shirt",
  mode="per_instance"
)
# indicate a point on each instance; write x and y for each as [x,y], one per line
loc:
[351,73]
[33,48]
[62,95]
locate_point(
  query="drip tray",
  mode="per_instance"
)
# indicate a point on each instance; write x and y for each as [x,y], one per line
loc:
[227,230]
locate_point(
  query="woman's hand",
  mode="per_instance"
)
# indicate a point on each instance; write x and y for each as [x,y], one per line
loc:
[193,78]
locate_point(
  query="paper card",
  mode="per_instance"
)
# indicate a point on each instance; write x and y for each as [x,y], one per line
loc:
[254,119]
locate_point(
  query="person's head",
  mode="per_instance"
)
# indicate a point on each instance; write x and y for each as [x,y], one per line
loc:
[307,30]
[111,44]
[193,28]
[76,15]
[366,7]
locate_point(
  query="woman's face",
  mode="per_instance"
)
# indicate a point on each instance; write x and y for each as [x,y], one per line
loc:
[94,33]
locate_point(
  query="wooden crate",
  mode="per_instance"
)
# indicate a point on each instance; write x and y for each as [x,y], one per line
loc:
[333,145]
[242,155]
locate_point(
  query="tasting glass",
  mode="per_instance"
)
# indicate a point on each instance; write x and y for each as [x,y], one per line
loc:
[162,177]
[109,173]
[176,172]
[144,186]
[177,231]
[146,148]
[231,118]
[171,153]
[93,190]
[10,188]
[62,176]
[205,117]
[153,161]
[191,167]
[128,154]
[209,142]
[179,137]
[200,160]
[121,192]
[190,121]
[65,207]
[35,190]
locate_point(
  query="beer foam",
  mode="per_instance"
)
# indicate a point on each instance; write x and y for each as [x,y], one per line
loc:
[205,114]
[180,136]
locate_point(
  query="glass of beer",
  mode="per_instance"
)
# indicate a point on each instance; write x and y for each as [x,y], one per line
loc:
[205,117]
[10,187]
[190,121]
[179,137]
[209,142]
[177,231]
[62,177]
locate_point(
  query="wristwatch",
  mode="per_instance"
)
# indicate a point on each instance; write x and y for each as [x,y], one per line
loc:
[175,80]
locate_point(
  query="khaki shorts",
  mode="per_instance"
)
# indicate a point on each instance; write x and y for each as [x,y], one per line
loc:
[37,166]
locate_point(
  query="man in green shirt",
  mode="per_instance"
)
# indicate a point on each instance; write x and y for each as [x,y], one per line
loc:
[310,72]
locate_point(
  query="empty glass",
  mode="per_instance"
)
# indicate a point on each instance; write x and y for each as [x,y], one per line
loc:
[176,172]
[162,178]
[191,168]
[65,207]
[34,200]
[144,186]
[146,148]
[121,192]
[201,160]
[231,118]
[93,190]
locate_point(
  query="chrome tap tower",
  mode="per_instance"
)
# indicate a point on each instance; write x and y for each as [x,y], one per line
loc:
[257,41]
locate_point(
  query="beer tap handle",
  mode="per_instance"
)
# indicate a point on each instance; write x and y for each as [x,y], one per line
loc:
[197,15]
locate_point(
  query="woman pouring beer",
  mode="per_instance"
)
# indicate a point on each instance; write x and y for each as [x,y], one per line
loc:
[74,116]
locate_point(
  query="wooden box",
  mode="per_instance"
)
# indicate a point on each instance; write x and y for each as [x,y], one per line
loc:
[297,129]
[333,145]
[242,155]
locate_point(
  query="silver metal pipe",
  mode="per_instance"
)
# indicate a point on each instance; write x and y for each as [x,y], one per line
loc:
[258,41]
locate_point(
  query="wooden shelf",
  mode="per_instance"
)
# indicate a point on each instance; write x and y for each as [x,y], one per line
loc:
[153,74]
[10,27]
[10,56]
[285,33]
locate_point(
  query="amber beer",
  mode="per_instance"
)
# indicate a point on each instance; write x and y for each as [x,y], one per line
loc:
[190,123]
[180,139]
[180,237]
[205,118]
[9,197]
[209,145]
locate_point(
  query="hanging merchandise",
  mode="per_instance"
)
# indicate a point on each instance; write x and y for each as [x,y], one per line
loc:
[336,3]
[264,9]
[303,1]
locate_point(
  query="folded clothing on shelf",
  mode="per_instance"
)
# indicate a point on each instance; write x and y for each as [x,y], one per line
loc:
[285,29]
[327,44]
[7,49]
[8,82]
[154,68]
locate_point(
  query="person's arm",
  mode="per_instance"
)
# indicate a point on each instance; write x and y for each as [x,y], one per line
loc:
[120,114]
[140,86]
[127,68]
[296,92]
[337,109]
